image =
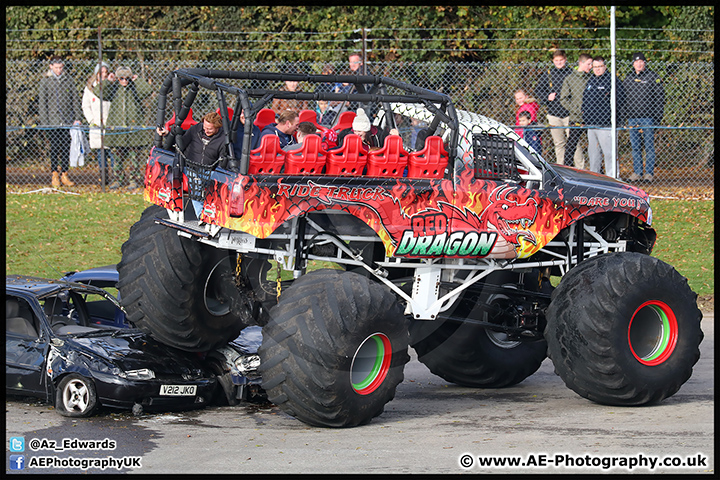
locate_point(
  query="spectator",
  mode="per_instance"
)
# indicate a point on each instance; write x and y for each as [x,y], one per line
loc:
[325,87]
[357,67]
[91,110]
[571,97]
[372,137]
[645,108]
[325,114]
[525,104]
[240,135]
[303,130]
[58,108]
[127,92]
[548,94]
[282,104]
[531,135]
[285,127]
[597,113]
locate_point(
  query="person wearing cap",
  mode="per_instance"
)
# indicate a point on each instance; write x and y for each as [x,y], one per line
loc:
[91,109]
[59,109]
[645,108]
[124,133]
[372,137]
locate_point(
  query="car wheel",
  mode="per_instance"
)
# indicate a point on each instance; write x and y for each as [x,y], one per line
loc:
[334,350]
[624,329]
[76,396]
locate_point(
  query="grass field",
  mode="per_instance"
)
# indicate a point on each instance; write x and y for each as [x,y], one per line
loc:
[46,234]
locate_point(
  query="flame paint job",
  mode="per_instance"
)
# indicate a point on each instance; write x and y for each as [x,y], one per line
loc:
[434,217]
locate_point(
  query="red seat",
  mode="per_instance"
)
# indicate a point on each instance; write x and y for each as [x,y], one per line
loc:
[311,116]
[390,160]
[430,162]
[345,121]
[266,116]
[189,121]
[268,158]
[230,113]
[307,160]
[350,159]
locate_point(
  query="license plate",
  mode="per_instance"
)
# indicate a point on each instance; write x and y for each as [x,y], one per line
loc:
[178,390]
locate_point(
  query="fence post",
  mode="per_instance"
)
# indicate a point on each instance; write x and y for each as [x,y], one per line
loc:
[102,122]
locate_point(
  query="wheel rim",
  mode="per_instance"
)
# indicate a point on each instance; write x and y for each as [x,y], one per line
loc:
[499,339]
[215,301]
[652,333]
[76,396]
[370,364]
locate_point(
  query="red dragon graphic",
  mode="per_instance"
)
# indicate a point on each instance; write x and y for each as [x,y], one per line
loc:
[504,214]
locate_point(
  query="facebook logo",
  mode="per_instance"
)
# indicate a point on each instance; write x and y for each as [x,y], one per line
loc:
[17,462]
[17,444]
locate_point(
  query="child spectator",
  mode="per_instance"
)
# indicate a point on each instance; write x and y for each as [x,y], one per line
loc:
[530,131]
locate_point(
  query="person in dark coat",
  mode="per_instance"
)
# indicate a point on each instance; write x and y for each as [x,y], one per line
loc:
[547,93]
[645,108]
[59,108]
[597,115]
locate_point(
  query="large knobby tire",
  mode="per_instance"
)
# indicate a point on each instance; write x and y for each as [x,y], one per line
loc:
[624,329]
[76,396]
[472,355]
[179,291]
[334,350]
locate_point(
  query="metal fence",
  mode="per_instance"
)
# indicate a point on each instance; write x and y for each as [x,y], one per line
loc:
[683,140]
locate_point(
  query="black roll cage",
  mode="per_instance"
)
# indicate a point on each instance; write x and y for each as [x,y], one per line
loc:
[369,89]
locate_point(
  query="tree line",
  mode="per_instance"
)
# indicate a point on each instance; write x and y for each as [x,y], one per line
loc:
[308,33]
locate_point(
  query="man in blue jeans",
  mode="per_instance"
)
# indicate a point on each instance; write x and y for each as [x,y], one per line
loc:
[645,102]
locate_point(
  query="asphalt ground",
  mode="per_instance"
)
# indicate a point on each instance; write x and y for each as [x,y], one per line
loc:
[430,427]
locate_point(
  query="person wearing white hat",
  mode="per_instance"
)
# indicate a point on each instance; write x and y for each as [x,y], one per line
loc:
[91,109]
[372,137]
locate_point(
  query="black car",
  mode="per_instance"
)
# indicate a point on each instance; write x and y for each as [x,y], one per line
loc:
[56,350]
[235,364]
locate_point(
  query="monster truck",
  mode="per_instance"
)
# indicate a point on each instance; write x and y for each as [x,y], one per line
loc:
[445,239]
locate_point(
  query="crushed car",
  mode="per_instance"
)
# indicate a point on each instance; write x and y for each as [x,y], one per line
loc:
[55,350]
[235,364]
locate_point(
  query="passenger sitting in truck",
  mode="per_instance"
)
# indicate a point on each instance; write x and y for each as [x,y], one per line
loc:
[372,137]
[285,128]
[204,142]
[304,129]
[240,136]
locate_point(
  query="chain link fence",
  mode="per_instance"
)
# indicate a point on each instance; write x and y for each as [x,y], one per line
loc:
[35,149]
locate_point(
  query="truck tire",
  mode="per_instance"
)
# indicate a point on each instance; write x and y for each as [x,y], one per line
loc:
[334,350]
[472,355]
[179,291]
[624,329]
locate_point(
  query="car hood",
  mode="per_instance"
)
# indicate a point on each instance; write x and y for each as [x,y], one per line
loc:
[131,349]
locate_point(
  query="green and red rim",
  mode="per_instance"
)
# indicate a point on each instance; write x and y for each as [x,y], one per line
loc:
[653,333]
[370,364]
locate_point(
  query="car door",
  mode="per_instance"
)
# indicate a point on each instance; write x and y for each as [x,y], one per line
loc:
[25,354]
